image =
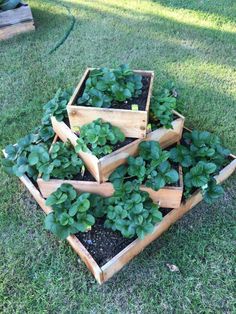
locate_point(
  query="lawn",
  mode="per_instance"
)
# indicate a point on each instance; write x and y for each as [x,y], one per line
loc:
[192,43]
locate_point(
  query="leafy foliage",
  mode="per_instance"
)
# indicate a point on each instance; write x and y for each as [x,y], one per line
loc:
[131,211]
[181,154]
[151,167]
[201,157]
[63,162]
[104,86]
[56,106]
[29,157]
[206,146]
[163,105]
[100,136]
[20,158]
[199,175]
[212,192]
[70,212]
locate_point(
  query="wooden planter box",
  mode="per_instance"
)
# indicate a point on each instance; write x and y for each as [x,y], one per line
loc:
[103,167]
[132,123]
[47,187]
[167,197]
[13,22]
[102,274]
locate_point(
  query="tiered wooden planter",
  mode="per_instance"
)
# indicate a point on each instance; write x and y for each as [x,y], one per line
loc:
[102,274]
[16,21]
[168,197]
[132,123]
[103,167]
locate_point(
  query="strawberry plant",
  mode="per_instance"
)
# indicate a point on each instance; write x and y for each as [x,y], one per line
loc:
[100,137]
[105,86]
[201,156]
[199,175]
[151,167]
[63,162]
[131,211]
[162,107]
[206,146]
[32,158]
[70,212]
[19,160]
[56,106]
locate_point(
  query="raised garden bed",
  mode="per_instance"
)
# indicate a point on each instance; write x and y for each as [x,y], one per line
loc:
[169,196]
[104,272]
[133,123]
[16,21]
[103,167]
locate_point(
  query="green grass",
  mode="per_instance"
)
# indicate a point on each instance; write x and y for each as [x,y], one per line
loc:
[190,42]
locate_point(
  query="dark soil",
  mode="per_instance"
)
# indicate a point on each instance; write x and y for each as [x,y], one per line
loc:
[103,243]
[86,177]
[127,105]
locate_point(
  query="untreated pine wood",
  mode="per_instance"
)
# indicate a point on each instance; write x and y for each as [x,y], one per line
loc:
[103,167]
[47,187]
[132,123]
[167,197]
[16,21]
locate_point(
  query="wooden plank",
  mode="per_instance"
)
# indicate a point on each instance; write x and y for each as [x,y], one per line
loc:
[48,187]
[169,196]
[10,31]
[15,16]
[103,167]
[149,93]
[121,259]
[132,123]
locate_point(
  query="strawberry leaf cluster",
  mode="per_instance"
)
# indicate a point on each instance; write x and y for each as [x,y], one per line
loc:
[71,212]
[151,167]
[201,156]
[162,106]
[105,86]
[100,137]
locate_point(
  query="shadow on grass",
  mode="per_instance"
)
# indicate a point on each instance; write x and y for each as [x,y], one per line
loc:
[176,35]
[222,11]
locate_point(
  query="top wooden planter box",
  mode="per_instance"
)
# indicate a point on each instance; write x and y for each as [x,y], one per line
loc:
[103,167]
[13,22]
[132,123]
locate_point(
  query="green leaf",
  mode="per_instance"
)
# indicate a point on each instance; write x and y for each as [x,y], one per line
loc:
[33,158]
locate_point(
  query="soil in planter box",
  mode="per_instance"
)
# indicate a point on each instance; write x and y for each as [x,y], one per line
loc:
[127,105]
[103,243]
[86,177]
